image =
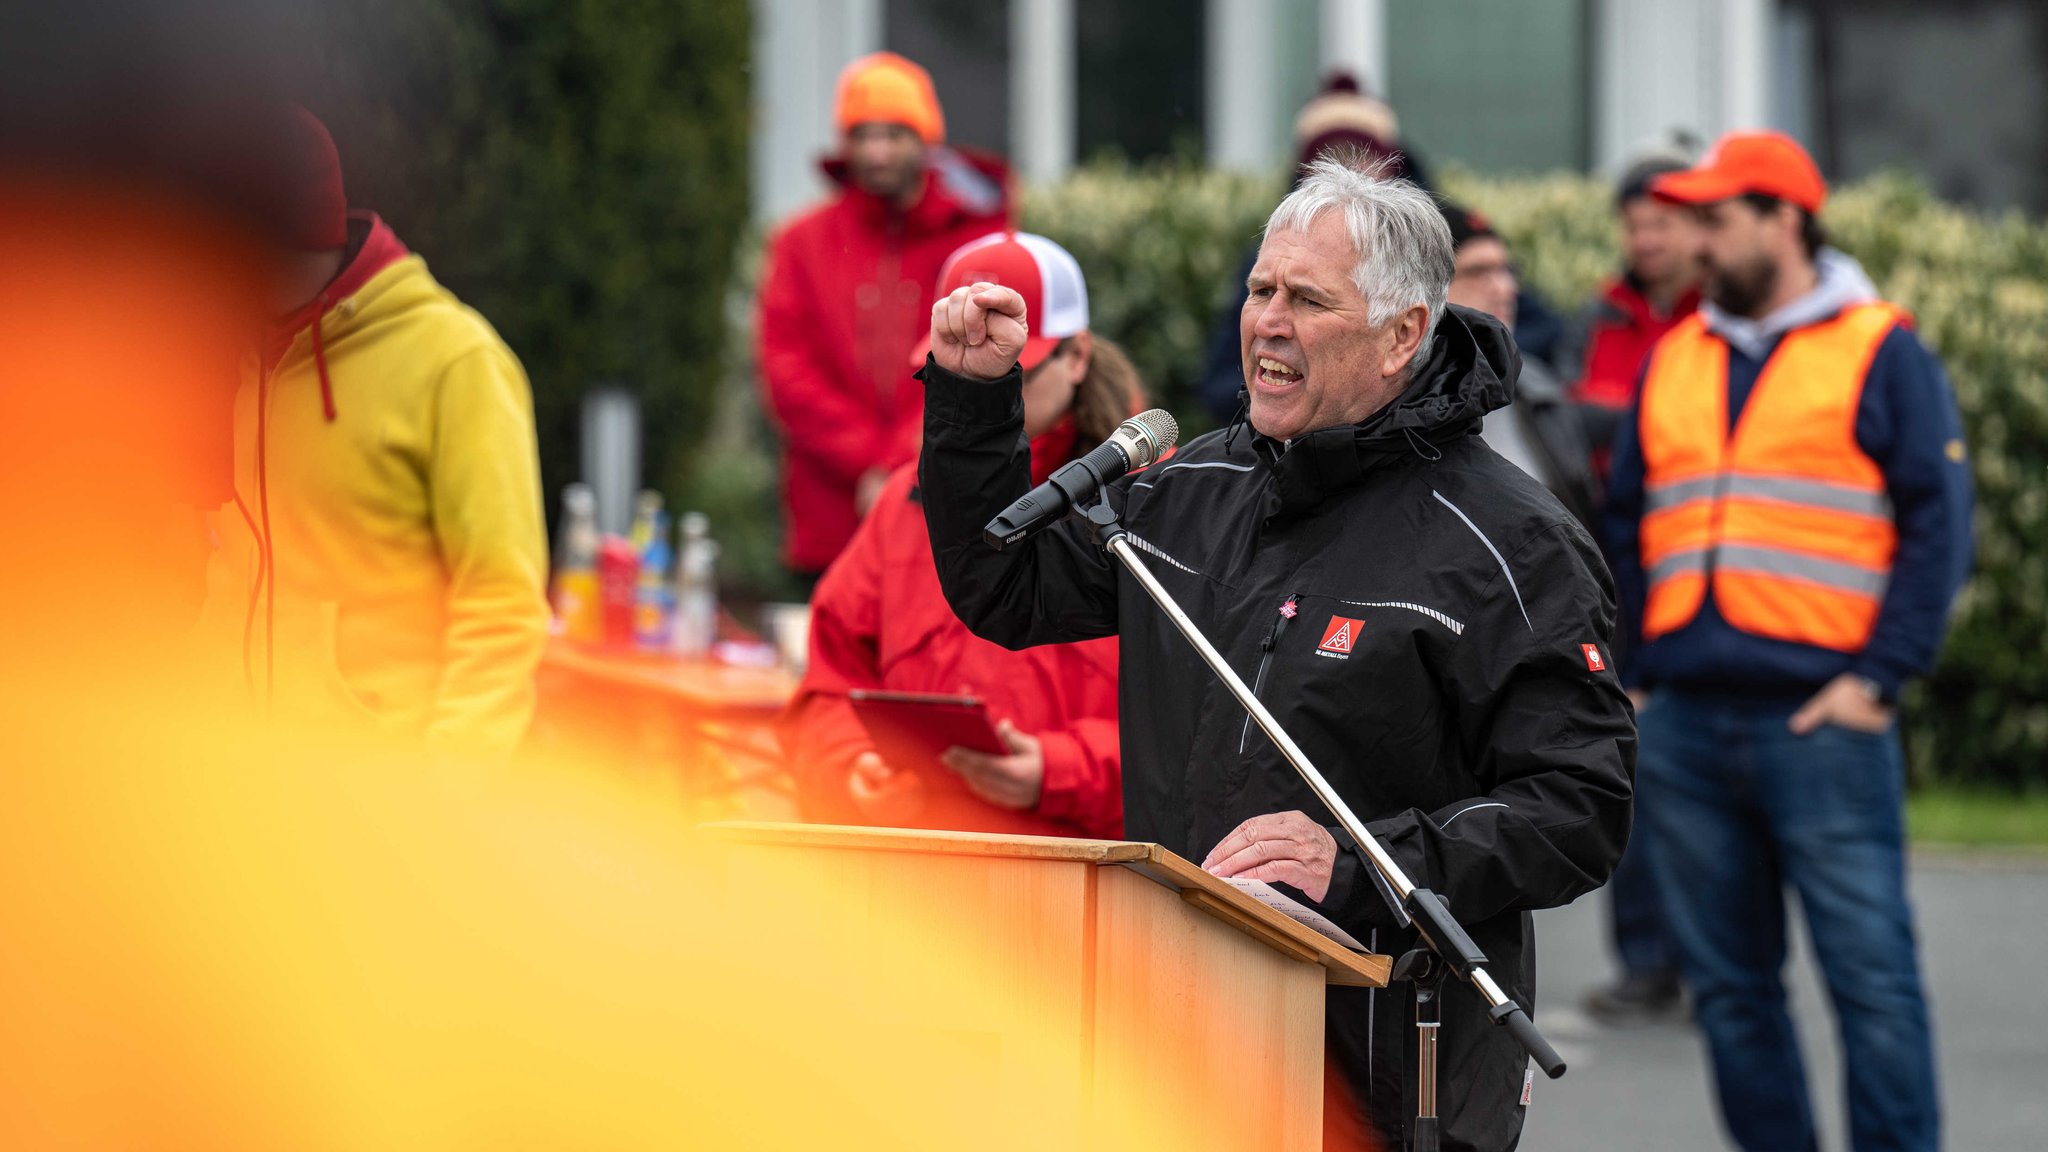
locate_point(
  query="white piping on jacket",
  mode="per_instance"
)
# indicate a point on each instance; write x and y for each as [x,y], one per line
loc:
[1171,465]
[1456,628]
[1145,545]
[1474,808]
[1496,555]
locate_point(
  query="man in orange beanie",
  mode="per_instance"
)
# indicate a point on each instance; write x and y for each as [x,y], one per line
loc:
[847,292]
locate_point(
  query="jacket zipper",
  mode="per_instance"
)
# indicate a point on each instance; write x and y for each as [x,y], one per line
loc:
[1287,612]
[1717,511]
[888,281]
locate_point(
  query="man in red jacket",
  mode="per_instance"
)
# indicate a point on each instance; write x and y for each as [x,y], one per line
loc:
[847,292]
[1658,287]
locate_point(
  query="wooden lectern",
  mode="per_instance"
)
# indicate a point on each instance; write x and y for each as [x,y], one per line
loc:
[1145,981]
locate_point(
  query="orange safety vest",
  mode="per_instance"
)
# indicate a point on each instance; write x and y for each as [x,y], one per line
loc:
[1786,519]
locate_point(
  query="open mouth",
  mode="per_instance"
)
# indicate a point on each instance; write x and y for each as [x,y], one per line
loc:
[1273,374]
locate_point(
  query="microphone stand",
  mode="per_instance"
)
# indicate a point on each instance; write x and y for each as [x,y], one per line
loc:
[1454,951]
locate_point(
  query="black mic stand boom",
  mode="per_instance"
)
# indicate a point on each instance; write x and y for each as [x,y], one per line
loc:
[1431,918]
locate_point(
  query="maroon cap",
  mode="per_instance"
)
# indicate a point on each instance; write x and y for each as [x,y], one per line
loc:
[315,206]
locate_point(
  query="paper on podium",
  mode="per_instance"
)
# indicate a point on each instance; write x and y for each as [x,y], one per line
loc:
[1294,910]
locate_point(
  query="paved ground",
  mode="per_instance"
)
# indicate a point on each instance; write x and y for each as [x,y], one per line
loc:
[1984,931]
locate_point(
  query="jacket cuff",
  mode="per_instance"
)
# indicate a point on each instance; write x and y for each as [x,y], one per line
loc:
[968,403]
[1889,680]
[1059,792]
[1354,898]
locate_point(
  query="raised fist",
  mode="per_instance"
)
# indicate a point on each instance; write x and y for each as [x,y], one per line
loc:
[978,331]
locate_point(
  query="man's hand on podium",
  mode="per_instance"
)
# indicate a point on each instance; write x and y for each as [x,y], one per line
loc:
[1286,847]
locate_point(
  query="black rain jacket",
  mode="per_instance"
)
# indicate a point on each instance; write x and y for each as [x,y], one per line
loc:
[1425,620]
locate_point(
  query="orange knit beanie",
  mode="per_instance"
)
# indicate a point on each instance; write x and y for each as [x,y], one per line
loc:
[886,87]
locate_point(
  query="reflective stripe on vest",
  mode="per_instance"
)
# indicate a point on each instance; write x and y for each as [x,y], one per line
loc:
[1785,521]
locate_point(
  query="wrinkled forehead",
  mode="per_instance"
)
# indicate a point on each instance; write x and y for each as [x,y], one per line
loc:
[1324,225]
[1320,254]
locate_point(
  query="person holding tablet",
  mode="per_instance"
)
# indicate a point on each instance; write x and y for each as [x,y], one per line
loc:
[880,622]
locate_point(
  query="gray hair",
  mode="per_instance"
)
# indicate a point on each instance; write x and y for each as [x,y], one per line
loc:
[1403,246]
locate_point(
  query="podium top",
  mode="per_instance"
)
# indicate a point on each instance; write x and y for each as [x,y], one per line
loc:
[1217,897]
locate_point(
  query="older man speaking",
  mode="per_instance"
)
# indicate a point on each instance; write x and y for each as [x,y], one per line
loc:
[1425,620]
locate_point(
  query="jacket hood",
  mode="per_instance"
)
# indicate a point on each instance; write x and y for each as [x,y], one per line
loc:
[1471,370]
[1840,282]
[373,247]
[959,184]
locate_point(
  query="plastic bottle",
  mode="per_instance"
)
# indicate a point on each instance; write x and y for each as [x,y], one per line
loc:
[646,512]
[696,622]
[578,611]
[618,582]
[654,597]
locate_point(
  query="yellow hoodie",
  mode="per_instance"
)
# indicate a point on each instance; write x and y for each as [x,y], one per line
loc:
[393,469]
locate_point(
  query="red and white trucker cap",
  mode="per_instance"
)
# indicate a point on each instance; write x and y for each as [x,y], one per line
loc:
[1045,274]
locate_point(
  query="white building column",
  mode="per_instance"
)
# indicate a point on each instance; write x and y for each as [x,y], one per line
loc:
[800,46]
[1042,88]
[1746,63]
[1702,65]
[1242,93]
[1355,40]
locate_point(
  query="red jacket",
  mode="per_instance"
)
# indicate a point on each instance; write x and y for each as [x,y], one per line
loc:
[880,621]
[846,293]
[1623,327]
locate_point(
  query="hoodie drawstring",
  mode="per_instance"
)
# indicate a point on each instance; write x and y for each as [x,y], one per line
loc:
[255,593]
[267,572]
[1244,411]
[320,361]
[1422,446]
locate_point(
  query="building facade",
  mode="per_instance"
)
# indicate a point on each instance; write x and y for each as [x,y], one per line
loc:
[1956,92]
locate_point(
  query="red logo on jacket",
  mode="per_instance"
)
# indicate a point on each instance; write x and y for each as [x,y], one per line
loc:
[1594,661]
[1340,635]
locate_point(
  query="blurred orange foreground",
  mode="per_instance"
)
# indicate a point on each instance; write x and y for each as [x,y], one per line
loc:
[220,934]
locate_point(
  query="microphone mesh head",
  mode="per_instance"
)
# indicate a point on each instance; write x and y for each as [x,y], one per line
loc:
[1160,430]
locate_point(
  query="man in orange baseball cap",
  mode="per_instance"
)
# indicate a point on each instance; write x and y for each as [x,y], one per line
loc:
[1748,185]
[1788,521]
[848,291]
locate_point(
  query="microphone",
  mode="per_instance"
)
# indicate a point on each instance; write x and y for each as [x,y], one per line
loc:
[1136,443]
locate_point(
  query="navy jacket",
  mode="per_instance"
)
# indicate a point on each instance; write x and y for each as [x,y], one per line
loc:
[1907,424]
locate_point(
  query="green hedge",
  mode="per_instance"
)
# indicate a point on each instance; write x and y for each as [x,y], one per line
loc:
[578,173]
[1160,245]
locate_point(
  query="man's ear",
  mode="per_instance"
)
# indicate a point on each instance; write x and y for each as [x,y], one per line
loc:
[1790,227]
[1408,330]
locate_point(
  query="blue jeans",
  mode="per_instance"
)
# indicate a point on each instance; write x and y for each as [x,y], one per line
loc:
[1642,937]
[1743,809]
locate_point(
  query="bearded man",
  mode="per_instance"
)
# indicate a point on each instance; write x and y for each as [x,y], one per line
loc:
[1789,521]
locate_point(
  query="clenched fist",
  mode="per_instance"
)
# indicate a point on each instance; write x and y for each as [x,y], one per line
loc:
[978,331]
